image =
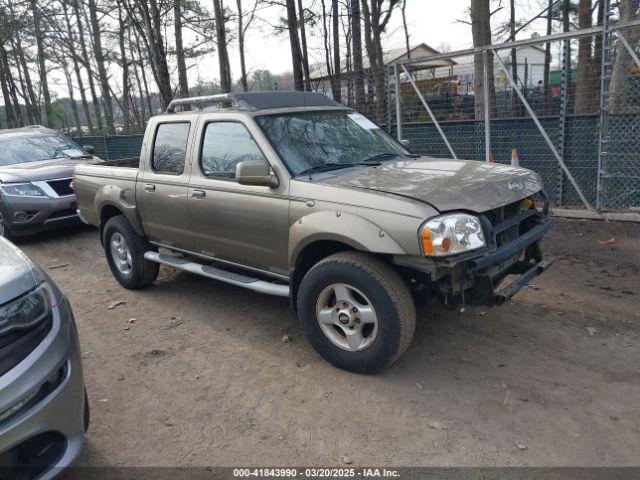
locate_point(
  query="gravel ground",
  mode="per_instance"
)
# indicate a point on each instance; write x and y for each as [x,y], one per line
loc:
[193,372]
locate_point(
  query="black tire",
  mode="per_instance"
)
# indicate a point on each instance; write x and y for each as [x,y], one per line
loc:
[389,296]
[87,412]
[143,272]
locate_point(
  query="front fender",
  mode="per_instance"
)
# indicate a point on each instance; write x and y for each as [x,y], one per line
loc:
[350,229]
[123,199]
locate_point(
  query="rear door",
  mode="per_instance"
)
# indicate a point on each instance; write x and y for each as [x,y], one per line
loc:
[164,184]
[244,224]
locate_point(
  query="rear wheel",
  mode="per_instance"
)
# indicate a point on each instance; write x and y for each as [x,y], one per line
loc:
[125,251]
[356,311]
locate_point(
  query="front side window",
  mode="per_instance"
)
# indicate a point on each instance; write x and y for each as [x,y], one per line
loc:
[225,145]
[25,148]
[170,148]
[331,139]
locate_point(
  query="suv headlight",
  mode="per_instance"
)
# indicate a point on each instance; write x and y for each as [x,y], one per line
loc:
[451,234]
[21,190]
[26,311]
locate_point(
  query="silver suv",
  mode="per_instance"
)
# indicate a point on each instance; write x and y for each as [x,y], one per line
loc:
[44,411]
[36,169]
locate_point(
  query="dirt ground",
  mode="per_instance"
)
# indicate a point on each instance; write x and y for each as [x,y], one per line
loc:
[201,376]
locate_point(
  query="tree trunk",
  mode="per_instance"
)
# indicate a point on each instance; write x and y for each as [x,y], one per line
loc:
[72,98]
[303,40]
[223,55]
[182,66]
[98,54]
[336,84]
[76,68]
[243,65]
[44,83]
[11,86]
[33,104]
[406,29]
[126,86]
[296,54]
[356,44]
[585,99]
[481,32]
[547,59]
[8,104]
[87,65]
[619,93]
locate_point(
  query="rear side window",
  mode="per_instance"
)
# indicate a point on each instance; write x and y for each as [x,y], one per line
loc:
[226,144]
[170,148]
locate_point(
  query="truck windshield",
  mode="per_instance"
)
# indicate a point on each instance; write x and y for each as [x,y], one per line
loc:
[33,148]
[308,141]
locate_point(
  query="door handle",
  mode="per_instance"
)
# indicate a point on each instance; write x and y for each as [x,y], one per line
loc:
[149,188]
[198,194]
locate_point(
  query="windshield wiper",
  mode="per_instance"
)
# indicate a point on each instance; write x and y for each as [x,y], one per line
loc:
[325,167]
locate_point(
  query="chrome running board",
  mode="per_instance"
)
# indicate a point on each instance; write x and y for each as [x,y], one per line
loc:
[209,271]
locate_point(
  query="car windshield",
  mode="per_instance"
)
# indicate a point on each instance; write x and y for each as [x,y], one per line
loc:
[308,141]
[33,148]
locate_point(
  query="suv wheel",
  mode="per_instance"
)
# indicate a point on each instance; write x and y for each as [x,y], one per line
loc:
[125,251]
[356,311]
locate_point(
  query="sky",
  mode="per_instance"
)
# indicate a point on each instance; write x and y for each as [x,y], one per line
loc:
[434,22]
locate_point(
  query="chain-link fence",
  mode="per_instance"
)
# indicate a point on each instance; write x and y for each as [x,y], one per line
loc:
[567,106]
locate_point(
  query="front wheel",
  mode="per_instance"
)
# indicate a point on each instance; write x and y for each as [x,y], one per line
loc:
[356,311]
[125,251]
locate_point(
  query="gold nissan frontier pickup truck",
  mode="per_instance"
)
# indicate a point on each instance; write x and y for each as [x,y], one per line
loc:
[292,194]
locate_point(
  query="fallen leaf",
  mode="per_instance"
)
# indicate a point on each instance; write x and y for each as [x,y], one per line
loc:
[592,331]
[520,445]
[607,242]
[59,265]
[507,397]
[113,305]
[481,313]
[437,426]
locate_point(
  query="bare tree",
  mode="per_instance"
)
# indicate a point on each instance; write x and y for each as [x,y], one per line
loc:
[356,45]
[243,26]
[180,60]
[584,81]
[620,85]
[481,32]
[223,55]
[377,14]
[303,44]
[98,55]
[296,53]
[147,18]
[42,68]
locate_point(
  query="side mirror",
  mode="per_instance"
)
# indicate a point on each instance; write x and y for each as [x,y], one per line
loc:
[405,143]
[255,172]
[89,149]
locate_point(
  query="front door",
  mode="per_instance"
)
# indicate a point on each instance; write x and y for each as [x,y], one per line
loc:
[164,184]
[243,224]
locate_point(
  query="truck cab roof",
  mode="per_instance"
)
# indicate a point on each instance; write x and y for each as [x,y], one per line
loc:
[256,101]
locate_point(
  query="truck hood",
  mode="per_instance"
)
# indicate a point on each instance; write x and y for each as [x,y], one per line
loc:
[443,183]
[16,272]
[43,170]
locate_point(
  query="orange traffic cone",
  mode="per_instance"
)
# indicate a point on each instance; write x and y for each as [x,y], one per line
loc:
[515,161]
[491,158]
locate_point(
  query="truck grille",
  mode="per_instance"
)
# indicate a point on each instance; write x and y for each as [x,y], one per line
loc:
[61,186]
[510,221]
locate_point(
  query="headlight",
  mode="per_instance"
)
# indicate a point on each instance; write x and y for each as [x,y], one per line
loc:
[451,234]
[26,311]
[22,190]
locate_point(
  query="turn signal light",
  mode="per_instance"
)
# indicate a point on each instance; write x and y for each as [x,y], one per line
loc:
[427,243]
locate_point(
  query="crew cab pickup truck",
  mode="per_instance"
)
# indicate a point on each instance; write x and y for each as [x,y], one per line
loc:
[292,194]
